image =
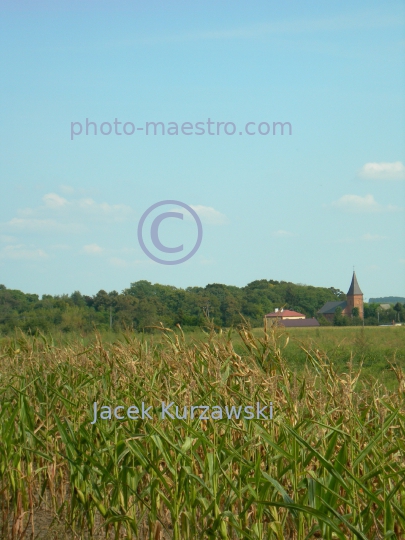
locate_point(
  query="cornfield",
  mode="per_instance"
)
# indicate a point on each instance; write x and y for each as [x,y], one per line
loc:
[329,465]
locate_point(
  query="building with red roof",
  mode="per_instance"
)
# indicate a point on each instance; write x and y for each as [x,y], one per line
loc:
[285,314]
[289,319]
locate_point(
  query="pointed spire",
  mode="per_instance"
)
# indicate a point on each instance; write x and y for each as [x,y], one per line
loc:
[354,286]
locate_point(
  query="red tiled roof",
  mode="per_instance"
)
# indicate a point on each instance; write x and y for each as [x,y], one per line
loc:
[285,313]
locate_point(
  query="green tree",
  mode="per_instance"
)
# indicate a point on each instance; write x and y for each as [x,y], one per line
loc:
[323,321]
[399,308]
[146,314]
[339,319]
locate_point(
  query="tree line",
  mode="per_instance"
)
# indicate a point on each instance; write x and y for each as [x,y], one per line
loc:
[374,315]
[143,305]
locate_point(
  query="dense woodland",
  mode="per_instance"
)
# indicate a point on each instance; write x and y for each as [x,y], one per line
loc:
[144,304]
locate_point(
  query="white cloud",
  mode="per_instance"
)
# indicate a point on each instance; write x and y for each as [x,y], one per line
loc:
[77,208]
[122,263]
[127,250]
[346,240]
[209,215]
[118,263]
[60,246]
[43,225]
[383,171]
[282,234]
[373,237]
[21,252]
[206,262]
[6,239]
[92,249]
[59,215]
[297,26]
[358,204]
[117,212]
[68,190]
[365,237]
[52,200]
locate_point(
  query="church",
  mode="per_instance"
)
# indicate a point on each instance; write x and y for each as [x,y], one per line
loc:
[354,300]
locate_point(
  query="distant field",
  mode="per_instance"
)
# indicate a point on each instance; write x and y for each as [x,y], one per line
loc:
[373,346]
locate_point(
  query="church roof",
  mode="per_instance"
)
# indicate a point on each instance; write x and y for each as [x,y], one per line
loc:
[330,307]
[354,286]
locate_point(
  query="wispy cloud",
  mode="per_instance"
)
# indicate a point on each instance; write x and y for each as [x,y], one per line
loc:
[373,237]
[115,211]
[74,208]
[7,239]
[206,262]
[282,234]
[59,215]
[43,225]
[301,26]
[113,255]
[286,27]
[359,204]
[60,246]
[68,190]
[92,249]
[383,171]
[363,238]
[52,200]
[209,215]
[118,262]
[22,252]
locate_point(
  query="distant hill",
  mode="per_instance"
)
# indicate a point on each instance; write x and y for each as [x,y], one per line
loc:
[387,300]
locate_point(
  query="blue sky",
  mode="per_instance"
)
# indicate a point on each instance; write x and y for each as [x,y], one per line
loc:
[304,207]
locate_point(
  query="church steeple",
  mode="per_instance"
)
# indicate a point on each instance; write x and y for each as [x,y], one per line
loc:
[354,298]
[354,286]
[353,305]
